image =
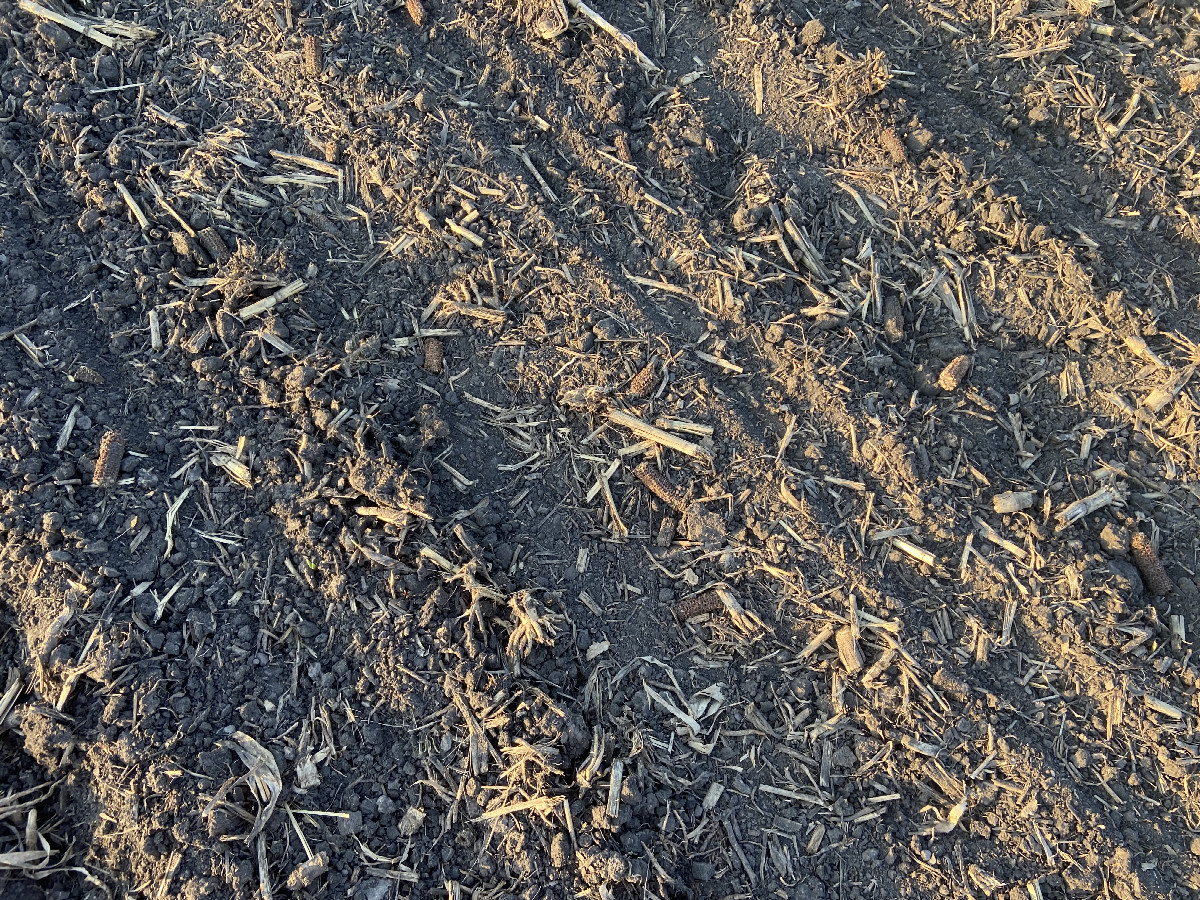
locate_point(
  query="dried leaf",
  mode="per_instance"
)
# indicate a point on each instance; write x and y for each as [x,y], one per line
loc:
[263,778]
[674,710]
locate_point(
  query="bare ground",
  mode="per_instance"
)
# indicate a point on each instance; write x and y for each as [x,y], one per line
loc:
[670,451]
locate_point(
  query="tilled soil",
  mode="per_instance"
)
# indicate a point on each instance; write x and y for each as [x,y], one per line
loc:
[481,450]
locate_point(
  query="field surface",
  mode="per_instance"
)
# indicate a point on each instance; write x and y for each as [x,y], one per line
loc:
[481,450]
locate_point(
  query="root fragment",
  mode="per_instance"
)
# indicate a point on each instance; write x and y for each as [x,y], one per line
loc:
[534,625]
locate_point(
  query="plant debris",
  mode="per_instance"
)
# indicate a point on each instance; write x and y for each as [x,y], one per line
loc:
[599,449]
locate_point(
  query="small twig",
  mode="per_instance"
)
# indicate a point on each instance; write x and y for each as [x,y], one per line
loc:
[41,12]
[546,190]
[261,306]
[649,432]
[19,329]
[108,32]
[134,208]
[648,65]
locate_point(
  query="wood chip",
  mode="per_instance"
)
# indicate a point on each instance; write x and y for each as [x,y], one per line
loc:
[1012,501]
[848,650]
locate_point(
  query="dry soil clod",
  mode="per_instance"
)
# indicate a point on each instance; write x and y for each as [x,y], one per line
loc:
[185,246]
[1154,576]
[893,146]
[108,463]
[308,872]
[812,33]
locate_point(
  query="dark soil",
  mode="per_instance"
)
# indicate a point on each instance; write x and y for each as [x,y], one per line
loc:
[365,599]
